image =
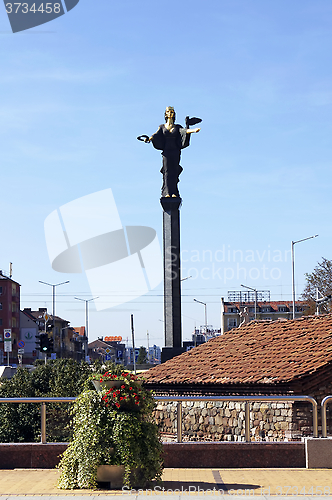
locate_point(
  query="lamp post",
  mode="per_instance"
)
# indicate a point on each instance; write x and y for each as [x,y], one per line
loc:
[53,293]
[254,290]
[204,304]
[293,268]
[86,315]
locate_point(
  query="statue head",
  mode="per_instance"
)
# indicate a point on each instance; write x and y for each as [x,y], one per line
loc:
[169,113]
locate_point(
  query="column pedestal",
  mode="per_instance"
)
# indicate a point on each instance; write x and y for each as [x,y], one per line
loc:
[172,277]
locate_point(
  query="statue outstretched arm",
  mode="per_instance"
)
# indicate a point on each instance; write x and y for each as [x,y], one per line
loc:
[149,139]
[146,138]
[193,130]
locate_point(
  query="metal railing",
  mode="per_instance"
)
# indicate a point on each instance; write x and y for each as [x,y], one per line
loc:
[246,400]
[323,410]
[181,399]
[43,402]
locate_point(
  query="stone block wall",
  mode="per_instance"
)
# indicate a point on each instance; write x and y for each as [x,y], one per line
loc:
[225,421]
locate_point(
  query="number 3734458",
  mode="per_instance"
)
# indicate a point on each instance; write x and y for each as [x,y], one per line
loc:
[24,8]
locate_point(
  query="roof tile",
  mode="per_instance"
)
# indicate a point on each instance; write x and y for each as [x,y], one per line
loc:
[261,353]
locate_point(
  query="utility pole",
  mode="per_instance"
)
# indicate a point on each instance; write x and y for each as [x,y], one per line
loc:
[317,305]
[147,334]
[53,303]
[254,290]
[293,268]
[205,313]
[86,318]
[133,341]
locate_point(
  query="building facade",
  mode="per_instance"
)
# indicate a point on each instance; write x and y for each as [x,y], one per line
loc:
[68,342]
[9,314]
[231,312]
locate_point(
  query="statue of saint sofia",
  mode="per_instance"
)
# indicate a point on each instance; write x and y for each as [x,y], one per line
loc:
[170,138]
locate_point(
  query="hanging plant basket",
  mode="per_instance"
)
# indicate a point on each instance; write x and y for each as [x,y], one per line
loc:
[106,383]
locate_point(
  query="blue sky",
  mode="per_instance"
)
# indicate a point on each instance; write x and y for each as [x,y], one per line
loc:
[75,94]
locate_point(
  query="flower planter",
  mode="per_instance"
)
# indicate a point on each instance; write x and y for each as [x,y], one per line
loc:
[106,383]
[112,474]
[112,425]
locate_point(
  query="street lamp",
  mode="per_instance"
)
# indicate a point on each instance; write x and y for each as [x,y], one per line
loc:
[53,293]
[254,290]
[204,304]
[293,269]
[86,315]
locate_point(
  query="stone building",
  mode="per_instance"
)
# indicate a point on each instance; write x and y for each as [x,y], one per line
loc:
[284,357]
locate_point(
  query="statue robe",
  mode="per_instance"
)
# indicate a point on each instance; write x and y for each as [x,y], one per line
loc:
[171,143]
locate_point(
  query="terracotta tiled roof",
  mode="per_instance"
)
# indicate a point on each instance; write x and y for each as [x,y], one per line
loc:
[80,330]
[257,353]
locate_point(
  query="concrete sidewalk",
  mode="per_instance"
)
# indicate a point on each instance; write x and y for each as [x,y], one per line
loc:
[181,483]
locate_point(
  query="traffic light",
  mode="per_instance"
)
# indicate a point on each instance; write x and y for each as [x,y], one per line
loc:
[49,327]
[44,342]
[38,342]
[50,344]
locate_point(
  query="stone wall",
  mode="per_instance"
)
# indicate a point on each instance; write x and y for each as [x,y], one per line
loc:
[225,421]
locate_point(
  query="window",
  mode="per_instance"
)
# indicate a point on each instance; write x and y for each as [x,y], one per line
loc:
[232,323]
[232,309]
[0,290]
[266,309]
[0,321]
[0,306]
[282,309]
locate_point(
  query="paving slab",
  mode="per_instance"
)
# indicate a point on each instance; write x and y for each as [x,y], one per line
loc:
[179,483]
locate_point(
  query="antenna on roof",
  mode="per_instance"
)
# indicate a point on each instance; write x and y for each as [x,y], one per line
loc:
[10,269]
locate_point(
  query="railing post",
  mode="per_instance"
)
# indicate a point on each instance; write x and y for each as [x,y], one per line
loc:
[324,424]
[315,418]
[43,422]
[179,422]
[247,421]
[323,410]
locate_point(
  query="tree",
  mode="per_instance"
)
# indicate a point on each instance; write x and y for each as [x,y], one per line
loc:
[320,278]
[142,356]
[59,378]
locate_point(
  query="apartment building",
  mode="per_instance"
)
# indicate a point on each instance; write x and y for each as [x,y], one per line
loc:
[9,313]
[232,310]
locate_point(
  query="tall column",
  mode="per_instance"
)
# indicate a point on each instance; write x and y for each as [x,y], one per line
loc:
[172,275]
